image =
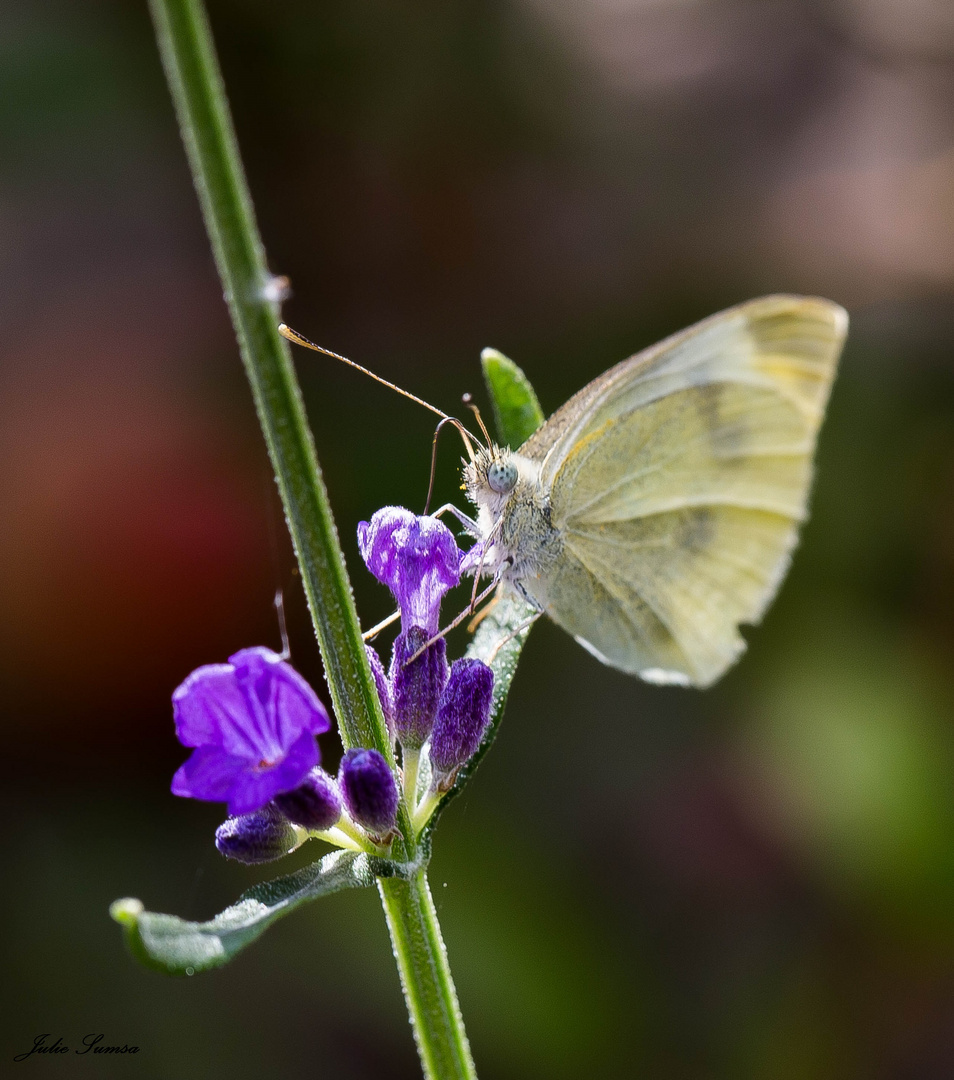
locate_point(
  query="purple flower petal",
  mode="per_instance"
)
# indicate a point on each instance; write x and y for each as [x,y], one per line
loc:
[280,705]
[470,560]
[255,706]
[383,688]
[257,786]
[253,723]
[416,557]
[209,774]
[204,701]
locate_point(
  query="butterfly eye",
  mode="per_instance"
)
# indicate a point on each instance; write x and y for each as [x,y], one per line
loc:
[501,477]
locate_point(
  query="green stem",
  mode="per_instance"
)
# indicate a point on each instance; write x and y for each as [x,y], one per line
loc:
[410,766]
[422,813]
[188,56]
[426,978]
[192,70]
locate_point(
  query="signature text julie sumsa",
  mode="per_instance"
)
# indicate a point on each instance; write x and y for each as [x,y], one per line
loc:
[92,1044]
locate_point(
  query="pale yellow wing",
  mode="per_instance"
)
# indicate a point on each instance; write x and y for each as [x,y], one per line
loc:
[679,480]
[790,344]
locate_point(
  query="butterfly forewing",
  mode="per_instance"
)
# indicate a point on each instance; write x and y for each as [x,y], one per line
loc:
[789,343]
[678,480]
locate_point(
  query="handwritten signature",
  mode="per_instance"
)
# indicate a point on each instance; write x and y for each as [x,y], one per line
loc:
[91,1044]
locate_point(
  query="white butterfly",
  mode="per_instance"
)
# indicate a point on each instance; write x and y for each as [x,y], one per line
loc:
[658,508]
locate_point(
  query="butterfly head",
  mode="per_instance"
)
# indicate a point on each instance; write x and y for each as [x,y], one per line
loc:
[491,479]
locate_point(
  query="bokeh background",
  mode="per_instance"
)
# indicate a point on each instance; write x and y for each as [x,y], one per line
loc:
[754,882]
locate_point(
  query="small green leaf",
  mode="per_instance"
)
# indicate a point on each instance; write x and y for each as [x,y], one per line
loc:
[178,947]
[509,614]
[516,408]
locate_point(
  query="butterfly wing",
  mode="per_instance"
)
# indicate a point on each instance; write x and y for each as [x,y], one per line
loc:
[678,481]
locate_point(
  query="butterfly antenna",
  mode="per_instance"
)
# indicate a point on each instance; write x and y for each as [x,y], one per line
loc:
[469,402]
[469,439]
[292,335]
[470,450]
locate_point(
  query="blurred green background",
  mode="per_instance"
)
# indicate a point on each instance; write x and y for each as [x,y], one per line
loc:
[755,882]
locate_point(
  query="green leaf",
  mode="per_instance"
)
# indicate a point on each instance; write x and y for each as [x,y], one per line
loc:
[516,408]
[178,947]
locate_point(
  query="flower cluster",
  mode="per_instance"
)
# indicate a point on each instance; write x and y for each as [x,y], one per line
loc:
[437,712]
[252,723]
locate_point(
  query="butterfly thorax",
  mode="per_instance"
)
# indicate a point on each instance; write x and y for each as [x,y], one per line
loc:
[513,513]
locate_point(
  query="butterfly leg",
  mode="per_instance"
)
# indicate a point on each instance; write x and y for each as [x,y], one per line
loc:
[483,613]
[368,635]
[460,618]
[516,632]
[469,524]
[485,545]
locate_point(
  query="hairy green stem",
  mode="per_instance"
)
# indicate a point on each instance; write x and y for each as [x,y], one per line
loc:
[192,71]
[188,56]
[426,978]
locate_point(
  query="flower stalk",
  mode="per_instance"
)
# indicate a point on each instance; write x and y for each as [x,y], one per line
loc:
[192,71]
[431,998]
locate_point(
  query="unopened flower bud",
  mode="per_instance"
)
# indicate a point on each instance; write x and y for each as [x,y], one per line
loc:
[314,804]
[258,837]
[417,685]
[462,718]
[369,790]
[383,688]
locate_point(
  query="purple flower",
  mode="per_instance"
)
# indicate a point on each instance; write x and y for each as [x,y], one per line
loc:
[369,791]
[416,685]
[462,718]
[416,557]
[253,723]
[314,804]
[258,837]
